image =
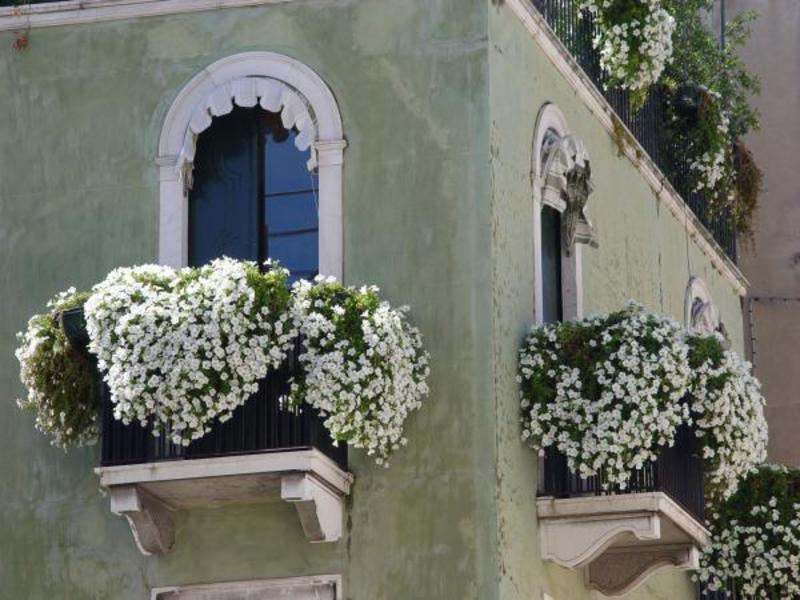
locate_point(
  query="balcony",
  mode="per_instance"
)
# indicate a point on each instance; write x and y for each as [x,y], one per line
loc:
[622,535]
[264,451]
[649,125]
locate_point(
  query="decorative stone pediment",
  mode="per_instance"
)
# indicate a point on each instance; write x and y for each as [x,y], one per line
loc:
[619,539]
[567,184]
[148,495]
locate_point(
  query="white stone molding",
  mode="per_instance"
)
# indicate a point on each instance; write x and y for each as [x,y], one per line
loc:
[550,132]
[149,494]
[586,91]
[315,587]
[620,571]
[619,539]
[277,83]
[77,12]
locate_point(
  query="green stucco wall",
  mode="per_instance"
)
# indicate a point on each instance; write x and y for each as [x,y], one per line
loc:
[642,254]
[81,114]
[437,212]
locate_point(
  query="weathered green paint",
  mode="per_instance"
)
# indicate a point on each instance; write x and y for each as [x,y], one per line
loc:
[643,254]
[437,209]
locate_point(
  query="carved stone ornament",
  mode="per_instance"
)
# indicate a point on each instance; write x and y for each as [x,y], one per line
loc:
[567,182]
[702,315]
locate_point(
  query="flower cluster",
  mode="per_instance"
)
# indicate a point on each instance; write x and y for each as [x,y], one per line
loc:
[364,366]
[756,538]
[605,391]
[610,392]
[710,145]
[634,38]
[60,381]
[184,348]
[729,411]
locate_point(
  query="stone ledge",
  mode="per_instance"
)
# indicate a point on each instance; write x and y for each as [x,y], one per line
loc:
[148,495]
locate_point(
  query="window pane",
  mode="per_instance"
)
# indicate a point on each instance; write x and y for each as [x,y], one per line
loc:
[223,208]
[290,202]
[552,300]
[298,252]
[286,167]
[291,212]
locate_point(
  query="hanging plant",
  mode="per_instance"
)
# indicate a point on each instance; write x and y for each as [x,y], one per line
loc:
[364,366]
[728,407]
[709,92]
[185,348]
[605,391]
[756,537]
[182,349]
[61,382]
[609,392]
[634,38]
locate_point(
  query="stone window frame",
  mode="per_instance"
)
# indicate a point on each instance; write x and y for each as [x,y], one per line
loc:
[303,99]
[315,587]
[551,120]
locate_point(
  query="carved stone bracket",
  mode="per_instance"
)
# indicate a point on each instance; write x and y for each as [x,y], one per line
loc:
[575,543]
[152,522]
[620,570]
[619,539]
[320,509]
[148,495]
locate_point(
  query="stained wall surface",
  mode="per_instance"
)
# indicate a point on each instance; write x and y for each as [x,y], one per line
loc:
[82,110]
[439,100]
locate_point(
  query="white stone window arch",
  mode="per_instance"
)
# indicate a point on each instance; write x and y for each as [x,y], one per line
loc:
[279,84]
[552,138]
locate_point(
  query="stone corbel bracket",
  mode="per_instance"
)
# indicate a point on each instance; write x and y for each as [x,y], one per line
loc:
[620,540]
[148,495]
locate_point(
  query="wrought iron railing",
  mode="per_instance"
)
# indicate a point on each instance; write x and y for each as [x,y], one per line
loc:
[263,424]
[678,472]
[649,126]
[24,2]
[729,593]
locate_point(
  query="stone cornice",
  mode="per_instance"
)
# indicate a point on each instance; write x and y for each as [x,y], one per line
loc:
[77,12]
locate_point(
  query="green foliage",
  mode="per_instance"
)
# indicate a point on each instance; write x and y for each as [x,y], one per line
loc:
[722,111]
[61,379]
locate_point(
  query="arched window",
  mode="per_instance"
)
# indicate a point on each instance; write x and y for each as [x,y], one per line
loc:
[255,142]
[253,196]
[561,185]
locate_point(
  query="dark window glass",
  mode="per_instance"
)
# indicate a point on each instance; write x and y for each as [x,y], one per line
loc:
[552,300]
[253,196]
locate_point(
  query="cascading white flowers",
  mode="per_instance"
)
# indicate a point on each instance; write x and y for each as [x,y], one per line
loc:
[729,414]
[610,392]
[365,368]
[634,38]
[182,349]
[712,148]
[755,541]
[185,348]
[605,391]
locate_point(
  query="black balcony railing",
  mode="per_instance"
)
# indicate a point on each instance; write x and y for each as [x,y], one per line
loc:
[678,472]
[648,125]
[729,593]
[263,424]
